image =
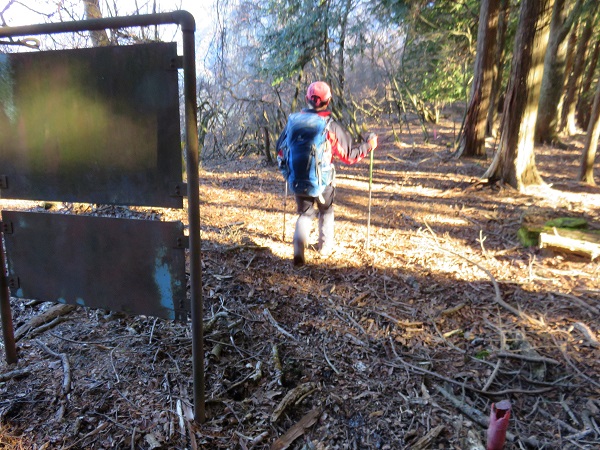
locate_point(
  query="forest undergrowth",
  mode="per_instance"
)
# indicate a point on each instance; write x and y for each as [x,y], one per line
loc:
[401,345]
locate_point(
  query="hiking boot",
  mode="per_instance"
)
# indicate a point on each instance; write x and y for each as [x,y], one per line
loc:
[299,260]
[326,251]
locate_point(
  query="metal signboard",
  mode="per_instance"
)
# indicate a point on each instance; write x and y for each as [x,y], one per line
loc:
[133,266]
[94,125]
[101,125]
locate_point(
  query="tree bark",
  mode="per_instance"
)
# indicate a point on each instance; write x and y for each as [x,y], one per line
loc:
[498,68]
[514,163]
[568,113]
[584,105]
[554,71]
[92,11]
[569,61]
[473,137]
[586,170]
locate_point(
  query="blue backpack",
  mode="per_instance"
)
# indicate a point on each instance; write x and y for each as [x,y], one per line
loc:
[306,161]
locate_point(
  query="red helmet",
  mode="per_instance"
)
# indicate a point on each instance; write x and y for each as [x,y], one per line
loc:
[318,93]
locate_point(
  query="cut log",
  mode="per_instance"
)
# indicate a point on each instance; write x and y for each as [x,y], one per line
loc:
[571,241]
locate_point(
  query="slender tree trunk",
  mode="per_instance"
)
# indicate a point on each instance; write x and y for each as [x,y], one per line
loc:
[584,105]
[92,11]
[498,68]
[569,61]
[586,170]
[554,71]
[297,90]
[514,163]
[342,50]
[568,112]
[473,138]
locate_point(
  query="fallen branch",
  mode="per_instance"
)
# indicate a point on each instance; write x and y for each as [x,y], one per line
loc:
[277,364]
[66,386]
[329,362]
[426,440]
[534,359]
[579,301]
[41,319]
[587,333]
[498,297]
[483,421]
[468,387]
[573,366]
[47,326]
[15,374]
[291,397]
[99,429]
[273,322]
[297,430]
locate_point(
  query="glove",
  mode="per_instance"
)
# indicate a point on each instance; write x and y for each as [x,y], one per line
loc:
[372,141]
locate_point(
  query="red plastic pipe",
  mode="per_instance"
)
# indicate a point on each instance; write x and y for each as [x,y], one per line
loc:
[496,432]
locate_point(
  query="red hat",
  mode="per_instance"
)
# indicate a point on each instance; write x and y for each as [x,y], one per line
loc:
[318,93]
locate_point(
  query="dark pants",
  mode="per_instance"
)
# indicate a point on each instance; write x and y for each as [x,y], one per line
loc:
[307,212]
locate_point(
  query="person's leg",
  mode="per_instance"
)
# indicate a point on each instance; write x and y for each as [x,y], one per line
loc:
[326,222]
[306,211]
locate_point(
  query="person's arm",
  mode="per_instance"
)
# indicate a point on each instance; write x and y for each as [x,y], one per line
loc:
[343,147]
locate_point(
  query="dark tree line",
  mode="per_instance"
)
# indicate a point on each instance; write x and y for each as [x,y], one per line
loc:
[526,70]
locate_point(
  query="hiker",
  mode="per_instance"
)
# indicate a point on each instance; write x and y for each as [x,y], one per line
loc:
[305,152]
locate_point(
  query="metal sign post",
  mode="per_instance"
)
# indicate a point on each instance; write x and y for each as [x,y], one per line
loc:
[188,26]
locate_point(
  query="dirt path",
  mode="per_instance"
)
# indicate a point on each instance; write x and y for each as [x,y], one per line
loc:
[409,341]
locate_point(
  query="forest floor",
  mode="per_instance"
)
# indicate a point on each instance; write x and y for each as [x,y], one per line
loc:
[404,345]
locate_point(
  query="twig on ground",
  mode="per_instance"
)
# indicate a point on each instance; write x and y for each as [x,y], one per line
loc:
[329,362]
[587,333]
[471,388]
[66,386]
[573,366]
[291,397]
[41,319]
[297,430]
[498,297]
[112,363]
[428,439]
[534,359]
[273,322]
[97,430]
[15,374]
[579,301]
[482,420]
[277,364]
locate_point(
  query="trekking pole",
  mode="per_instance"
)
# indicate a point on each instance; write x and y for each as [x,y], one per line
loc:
[369,207]
[284,207]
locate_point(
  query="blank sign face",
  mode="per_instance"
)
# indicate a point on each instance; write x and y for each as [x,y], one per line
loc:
[128,265]
[96,125]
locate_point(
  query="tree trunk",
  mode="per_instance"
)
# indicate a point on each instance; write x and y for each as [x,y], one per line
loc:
[342,49]
[554,71]
[473,138]
[584,105]
[586,170]
[569,61]
[568,113]
[514,163]
[498,69]
[92,11]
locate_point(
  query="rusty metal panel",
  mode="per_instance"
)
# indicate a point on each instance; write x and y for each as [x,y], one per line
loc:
[94,125]
[128,265]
